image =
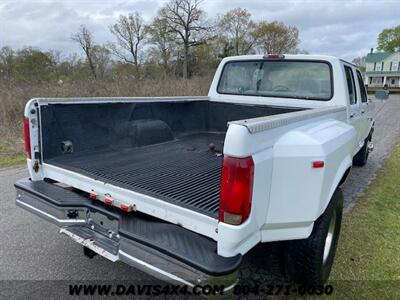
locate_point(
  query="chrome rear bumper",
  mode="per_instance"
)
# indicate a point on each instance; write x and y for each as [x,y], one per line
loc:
[143,242]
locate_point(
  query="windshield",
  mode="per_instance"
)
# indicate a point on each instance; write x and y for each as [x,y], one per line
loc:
[284,78]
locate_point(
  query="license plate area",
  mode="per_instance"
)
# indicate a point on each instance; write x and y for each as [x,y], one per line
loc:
[106,225]
[93,240]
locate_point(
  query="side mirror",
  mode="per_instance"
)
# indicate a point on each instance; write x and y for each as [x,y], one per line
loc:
[382,94]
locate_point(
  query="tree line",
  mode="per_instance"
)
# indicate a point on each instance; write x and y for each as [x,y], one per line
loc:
[180,41]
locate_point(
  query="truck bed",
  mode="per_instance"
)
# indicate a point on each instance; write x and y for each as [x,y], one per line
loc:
[160,149]
[183,171]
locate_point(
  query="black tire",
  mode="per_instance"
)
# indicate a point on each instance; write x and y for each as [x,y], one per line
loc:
[306,261]
[360,159]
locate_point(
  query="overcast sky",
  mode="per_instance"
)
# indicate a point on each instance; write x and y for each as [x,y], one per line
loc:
[343,28]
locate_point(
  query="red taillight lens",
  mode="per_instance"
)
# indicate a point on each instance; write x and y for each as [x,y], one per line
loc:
[27,138]
[236,190]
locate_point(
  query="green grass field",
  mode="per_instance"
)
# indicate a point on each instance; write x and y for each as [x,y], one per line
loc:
[367,263]
[11,154]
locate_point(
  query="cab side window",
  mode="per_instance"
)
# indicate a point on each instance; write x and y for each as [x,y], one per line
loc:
[364,97]
[351,87]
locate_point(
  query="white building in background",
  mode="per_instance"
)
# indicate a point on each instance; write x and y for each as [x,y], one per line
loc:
[382,68]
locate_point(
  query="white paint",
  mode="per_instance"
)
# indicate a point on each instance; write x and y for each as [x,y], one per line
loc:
[288,194]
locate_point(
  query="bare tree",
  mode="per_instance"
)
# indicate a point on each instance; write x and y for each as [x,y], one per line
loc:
[360,61]
[85,39]
[186,19]
[129,31]
[101,59]
[7,58]
[276,37]
[236,28]
[163,39]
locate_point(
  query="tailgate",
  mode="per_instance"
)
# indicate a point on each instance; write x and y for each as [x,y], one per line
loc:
[164,250]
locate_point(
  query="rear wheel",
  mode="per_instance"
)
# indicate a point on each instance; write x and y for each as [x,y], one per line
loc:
[309,261]
[360,159]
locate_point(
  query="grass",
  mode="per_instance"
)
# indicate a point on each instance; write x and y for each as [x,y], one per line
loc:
[11,153]
[367,263]
[12,161]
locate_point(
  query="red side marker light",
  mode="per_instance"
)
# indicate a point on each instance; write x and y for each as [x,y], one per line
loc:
[93,196]
[318,164]
[108,201]
[125,207]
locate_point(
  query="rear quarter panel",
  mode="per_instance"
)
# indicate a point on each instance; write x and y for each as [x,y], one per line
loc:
[299,192]
[288,194]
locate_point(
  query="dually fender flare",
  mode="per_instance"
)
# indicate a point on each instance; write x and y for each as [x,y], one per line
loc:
[344,166]
[371,130]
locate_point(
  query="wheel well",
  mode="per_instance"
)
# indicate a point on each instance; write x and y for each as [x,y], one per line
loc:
[345,175]
[370,133]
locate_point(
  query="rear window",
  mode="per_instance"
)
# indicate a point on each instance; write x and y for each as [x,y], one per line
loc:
[311,80]
[351,87]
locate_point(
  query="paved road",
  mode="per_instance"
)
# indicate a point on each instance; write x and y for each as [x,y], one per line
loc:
[33,249]
[386,136]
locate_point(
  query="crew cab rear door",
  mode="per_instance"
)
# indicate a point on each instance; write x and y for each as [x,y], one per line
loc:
[365,110]
[354,113]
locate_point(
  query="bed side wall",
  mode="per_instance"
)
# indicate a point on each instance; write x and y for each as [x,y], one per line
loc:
[93,126]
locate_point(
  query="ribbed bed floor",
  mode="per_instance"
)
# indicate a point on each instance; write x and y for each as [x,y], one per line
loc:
[183,172]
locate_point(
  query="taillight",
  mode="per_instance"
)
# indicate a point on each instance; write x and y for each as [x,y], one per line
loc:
[27,137]
[236,190]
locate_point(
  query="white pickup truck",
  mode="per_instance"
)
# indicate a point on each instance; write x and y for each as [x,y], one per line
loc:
[183,187]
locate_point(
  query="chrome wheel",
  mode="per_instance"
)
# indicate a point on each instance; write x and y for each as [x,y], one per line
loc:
[329,238]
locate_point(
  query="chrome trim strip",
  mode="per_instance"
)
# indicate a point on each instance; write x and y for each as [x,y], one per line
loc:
[229,287]
[155,269]
[264,123]
[95,100]
[45,214]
